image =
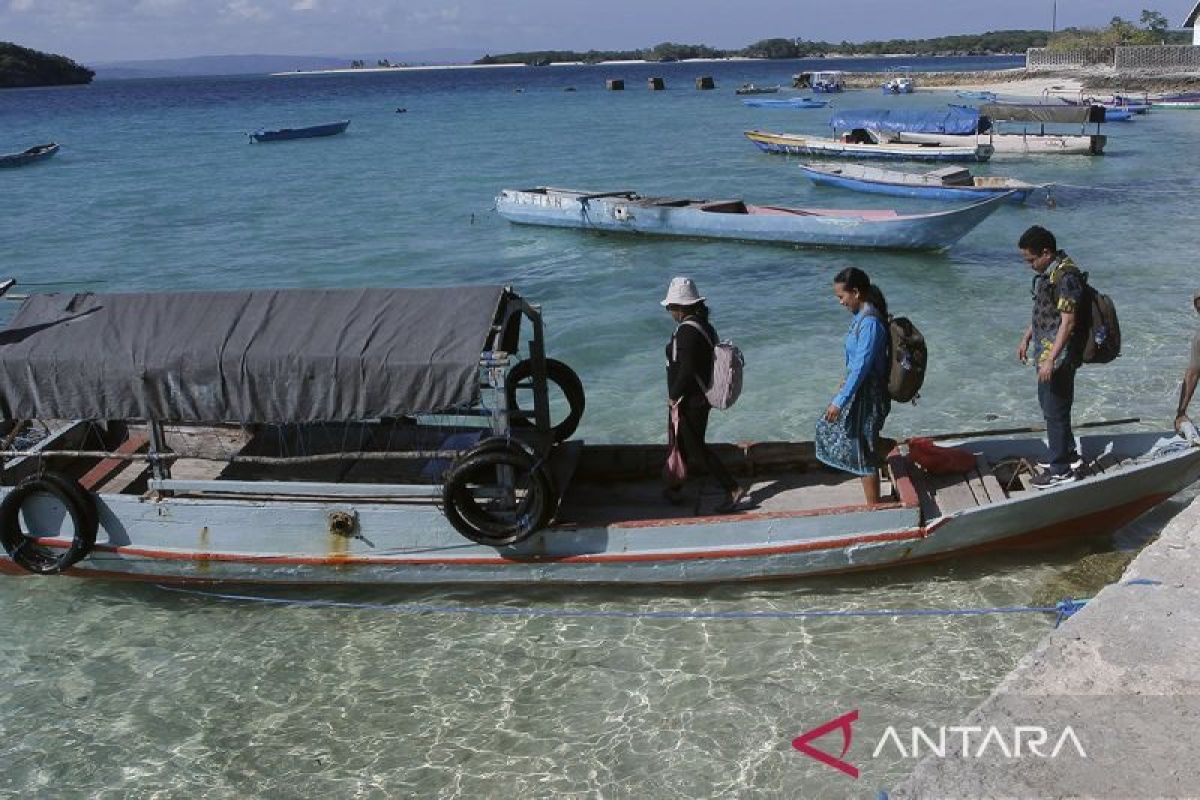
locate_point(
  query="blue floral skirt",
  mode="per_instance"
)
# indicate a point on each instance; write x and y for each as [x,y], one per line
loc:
[850,443]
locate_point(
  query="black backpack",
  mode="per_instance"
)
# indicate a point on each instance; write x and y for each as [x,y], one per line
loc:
[1098,317]
[907,358]
[1103,342]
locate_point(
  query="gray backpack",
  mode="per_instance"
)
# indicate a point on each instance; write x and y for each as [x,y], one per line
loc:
[728,363]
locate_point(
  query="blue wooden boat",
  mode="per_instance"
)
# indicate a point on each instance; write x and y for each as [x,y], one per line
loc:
[33,155]
[790,102]
[947,183]
[312,131]
[629,212]
[861,143]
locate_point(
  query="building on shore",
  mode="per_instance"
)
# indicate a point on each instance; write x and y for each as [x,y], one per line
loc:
[1190,22]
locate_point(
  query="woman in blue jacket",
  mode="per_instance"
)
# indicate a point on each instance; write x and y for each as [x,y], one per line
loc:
[848,433]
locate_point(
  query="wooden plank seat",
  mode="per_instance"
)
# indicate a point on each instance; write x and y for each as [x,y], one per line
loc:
[940,495]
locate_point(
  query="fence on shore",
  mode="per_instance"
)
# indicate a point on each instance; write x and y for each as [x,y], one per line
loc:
[1138,58]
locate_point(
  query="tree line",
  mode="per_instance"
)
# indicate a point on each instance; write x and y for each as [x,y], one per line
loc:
[21,66]
[1152,30]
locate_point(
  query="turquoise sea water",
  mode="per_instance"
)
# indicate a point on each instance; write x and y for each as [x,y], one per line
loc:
[117,691]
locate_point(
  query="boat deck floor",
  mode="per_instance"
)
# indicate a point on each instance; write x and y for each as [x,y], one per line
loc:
[589,502]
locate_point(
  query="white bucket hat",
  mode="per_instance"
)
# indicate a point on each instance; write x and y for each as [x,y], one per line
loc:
[682,292]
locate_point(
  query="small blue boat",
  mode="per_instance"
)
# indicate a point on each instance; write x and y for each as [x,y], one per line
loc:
[790,102]
[986,97]
[629,212]
[40,152]
[283,134]
[947,183]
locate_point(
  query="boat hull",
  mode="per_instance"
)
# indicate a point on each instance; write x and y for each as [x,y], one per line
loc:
[788,144]
[1022,144]
[804,227]
[1016,194]
[274,541]
[31,156]
[312,132]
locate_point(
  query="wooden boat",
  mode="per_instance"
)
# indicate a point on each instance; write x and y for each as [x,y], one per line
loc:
[236,498]
[1029,140]
[867,144]
[790,102]
[750,88]
[313,131]
[986,97]
[40,152]
[1182,100]
[828,82]
[900,83]
[947,183]
[629,212]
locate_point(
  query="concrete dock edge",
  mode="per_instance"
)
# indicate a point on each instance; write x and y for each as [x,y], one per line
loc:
[1123,673]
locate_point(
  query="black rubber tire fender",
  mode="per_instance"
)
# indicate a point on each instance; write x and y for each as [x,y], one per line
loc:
[568,382]
[473,522]
[84,517]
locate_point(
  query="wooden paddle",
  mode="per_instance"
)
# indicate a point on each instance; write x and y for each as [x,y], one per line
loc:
[1103,423]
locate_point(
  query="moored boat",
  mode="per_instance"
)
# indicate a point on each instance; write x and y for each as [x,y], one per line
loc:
[947,183]
[1030,140]
[252,479]
[1181,100]
[630,212]
[790,102]
[33,155]
[750,88]
[866,144]
[310,132]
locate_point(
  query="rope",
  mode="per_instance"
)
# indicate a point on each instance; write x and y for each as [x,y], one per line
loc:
[1063,609]
[1124,189]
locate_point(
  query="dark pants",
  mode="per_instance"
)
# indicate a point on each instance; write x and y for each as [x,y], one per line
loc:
[1056,397]
[693,424]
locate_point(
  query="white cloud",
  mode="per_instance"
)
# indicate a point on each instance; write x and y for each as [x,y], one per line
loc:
[245,10]
[304,5]
[20,5]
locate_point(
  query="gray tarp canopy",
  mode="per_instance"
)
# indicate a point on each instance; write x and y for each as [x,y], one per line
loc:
[1039,112]
[278,355]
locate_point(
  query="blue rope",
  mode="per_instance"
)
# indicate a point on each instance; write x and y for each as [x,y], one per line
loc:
[1061,609]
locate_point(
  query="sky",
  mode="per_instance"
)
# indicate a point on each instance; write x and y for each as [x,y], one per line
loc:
[92,31]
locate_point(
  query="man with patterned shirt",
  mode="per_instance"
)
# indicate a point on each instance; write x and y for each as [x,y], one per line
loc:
[1057,347]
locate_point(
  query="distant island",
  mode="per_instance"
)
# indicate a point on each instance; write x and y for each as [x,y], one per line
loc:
[21,66]
[981,44]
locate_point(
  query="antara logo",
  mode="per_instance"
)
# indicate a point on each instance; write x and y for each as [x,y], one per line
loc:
[975,742]
[843,724]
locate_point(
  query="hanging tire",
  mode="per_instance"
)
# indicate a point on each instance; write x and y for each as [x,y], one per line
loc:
[490,520]
[23,549]
[568,383]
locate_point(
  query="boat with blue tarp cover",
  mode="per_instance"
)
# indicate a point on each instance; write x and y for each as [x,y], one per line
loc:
[302,436]
[946,119]
[310,132]
[1033,138]
[629,212]
[947,183]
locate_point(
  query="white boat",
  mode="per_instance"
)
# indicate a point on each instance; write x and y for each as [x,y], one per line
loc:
[869,144]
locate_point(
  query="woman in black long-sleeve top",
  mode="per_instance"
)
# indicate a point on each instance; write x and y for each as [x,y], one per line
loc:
[689,371]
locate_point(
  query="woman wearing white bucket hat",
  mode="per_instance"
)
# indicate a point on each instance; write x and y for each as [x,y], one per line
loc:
[689,370]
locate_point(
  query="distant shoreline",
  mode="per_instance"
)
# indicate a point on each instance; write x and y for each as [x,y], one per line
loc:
[620,63]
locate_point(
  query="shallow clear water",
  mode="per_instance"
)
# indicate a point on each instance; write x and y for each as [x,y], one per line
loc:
[123,689]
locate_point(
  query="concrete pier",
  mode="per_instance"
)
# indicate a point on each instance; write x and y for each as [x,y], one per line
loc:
[1123,674]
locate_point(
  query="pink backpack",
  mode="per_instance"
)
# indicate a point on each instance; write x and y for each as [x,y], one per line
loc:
[728,363]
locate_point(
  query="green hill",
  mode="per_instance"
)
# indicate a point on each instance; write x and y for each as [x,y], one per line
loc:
[20,66]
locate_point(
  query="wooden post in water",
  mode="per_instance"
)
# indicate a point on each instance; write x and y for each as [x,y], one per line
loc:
[705,82]
[656,84]
[615,85]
